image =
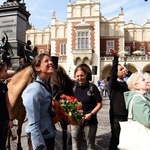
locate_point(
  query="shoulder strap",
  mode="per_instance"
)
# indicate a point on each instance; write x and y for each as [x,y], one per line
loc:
[130,114]
[74,87]
[91,87]
[49,90]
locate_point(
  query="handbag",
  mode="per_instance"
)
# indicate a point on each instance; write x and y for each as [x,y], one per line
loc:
[133,135]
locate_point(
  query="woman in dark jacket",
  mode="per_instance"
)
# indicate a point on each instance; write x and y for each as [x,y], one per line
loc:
[5,110]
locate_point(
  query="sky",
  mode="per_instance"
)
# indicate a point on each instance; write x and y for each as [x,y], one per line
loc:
[41,10]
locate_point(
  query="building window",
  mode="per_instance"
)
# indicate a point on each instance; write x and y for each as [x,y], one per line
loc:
[63,49]
[127,49]
[109,45]
[142,48]
[83,40]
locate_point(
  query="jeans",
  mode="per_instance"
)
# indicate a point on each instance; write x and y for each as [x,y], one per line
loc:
[3,134]
[88,133]
[50,144]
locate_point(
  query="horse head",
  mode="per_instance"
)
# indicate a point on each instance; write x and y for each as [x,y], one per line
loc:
[61,83]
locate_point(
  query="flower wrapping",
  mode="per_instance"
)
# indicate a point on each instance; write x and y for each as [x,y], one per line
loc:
[70,109]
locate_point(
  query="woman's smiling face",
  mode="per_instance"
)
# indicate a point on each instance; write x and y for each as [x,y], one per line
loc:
[46,67]
[80,76]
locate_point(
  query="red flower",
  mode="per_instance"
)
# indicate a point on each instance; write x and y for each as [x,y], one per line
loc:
[78,108]
[70,99]
[72,107]
[75,100]
[63,96]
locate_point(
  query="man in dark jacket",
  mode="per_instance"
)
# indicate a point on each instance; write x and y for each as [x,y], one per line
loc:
[118,110]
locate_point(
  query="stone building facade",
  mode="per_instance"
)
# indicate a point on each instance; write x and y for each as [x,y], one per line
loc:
[87,36]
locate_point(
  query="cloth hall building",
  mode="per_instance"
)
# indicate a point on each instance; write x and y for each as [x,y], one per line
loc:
[87,36]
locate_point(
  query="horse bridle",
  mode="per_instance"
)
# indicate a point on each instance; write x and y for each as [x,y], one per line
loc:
[59,91]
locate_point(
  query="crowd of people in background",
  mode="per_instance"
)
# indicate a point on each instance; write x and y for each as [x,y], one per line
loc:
[103,87]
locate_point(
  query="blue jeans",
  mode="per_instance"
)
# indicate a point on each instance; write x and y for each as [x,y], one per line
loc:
[87,132]
[3,133]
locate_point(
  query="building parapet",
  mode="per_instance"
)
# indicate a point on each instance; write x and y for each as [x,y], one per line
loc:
[81,51]
[129,58]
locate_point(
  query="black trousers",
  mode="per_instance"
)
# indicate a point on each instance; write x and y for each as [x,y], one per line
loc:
[115,132]
[50,143]
[3,133]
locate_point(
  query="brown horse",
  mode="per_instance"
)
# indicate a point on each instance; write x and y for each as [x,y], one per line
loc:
[16,85]
[62,84]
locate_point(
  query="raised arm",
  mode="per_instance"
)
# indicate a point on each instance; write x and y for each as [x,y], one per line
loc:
[114,69]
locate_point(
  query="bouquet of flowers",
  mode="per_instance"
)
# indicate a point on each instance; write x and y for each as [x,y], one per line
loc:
[70,109]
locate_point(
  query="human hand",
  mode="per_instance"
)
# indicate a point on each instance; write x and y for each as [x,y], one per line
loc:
[88,117]
[114,52]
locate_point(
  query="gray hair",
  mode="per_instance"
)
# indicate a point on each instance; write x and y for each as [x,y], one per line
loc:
[133,79]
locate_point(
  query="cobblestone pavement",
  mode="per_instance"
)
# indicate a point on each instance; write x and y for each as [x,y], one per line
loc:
[102,137]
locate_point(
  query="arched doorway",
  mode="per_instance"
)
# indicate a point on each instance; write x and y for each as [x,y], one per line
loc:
[105,72]
[146,68]
[131,68]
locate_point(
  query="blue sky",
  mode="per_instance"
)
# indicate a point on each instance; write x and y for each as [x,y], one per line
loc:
[41,10]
